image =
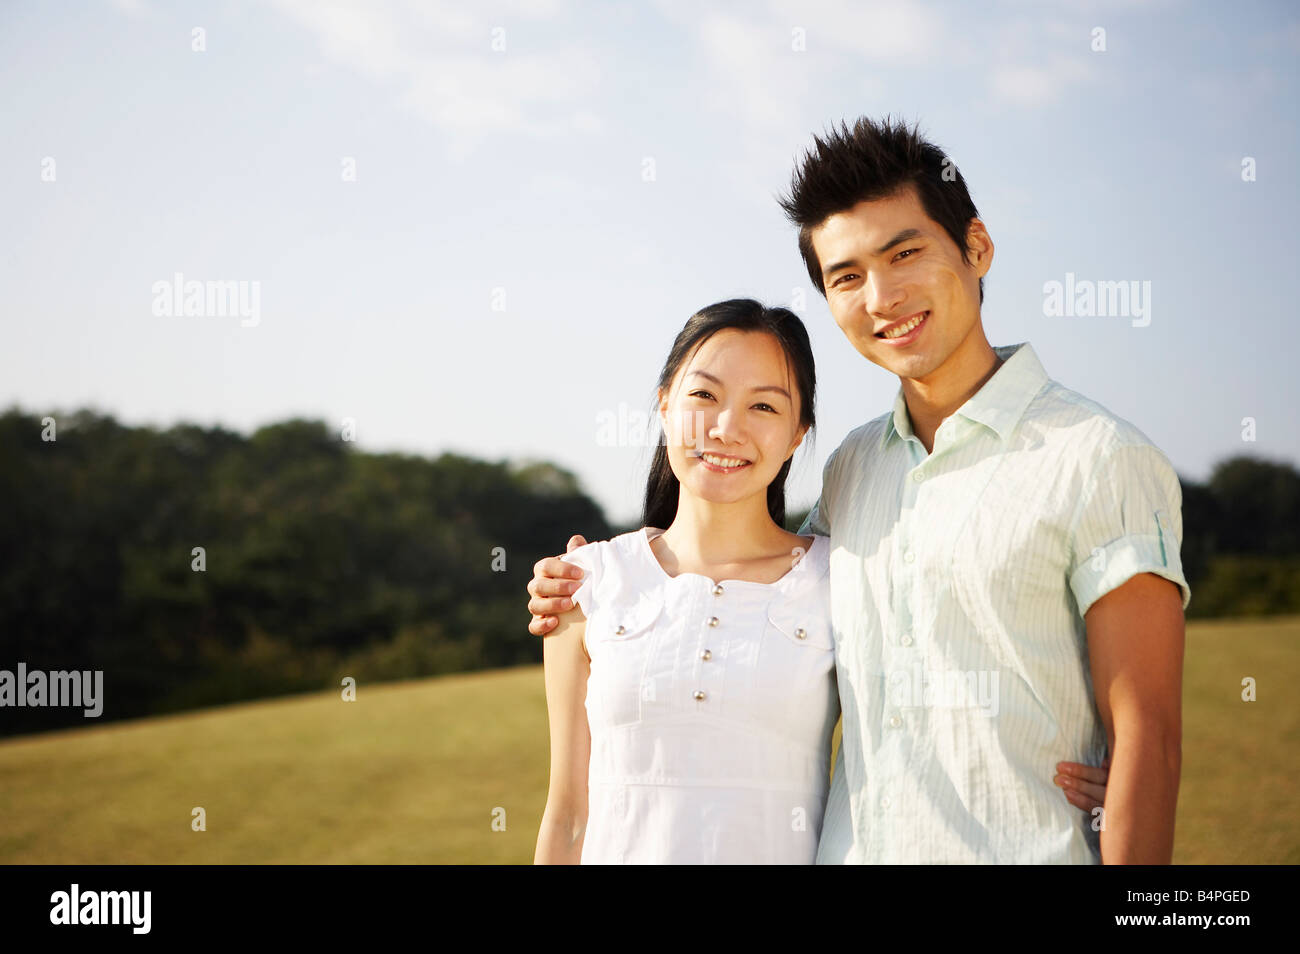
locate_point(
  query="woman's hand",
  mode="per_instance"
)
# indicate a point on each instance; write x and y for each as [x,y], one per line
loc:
[1084,785]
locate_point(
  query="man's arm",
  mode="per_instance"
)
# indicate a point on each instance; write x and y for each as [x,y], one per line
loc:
[1135,648]
[818,520]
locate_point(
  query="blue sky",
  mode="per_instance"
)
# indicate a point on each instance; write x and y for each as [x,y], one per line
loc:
[501,276]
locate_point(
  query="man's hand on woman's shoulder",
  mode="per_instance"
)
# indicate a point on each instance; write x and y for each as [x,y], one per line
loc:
[553,582]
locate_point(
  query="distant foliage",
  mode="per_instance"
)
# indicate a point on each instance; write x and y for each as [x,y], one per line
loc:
[322,561]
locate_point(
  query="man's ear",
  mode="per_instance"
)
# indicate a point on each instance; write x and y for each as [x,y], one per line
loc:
[979,246]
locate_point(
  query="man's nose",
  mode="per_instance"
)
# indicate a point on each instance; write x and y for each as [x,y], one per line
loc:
[882,296]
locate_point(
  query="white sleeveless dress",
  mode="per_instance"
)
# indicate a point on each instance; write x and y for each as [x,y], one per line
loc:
[711,709]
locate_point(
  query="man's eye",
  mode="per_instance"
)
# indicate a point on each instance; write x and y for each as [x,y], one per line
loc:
[907,252]
[843,278]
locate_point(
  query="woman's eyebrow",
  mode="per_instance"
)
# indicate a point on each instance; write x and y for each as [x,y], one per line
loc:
[765,387]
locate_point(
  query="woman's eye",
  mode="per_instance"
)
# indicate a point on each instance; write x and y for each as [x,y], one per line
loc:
[768,406]
[697,393]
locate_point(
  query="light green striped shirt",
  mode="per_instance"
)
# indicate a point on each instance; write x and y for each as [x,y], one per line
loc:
[959,581]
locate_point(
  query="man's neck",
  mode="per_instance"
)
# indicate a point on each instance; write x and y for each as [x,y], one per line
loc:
[932,399]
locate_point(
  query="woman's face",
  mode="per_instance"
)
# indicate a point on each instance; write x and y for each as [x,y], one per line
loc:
[736,398]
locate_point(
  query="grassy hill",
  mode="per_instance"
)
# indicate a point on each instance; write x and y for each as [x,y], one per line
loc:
[416,772]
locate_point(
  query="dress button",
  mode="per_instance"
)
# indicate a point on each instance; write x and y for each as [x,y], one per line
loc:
[620,631]
[909,557]
[800,634]
[918,476]
[717,589]
[907,639]
[713,621]
[699,694]
[895,722]
[706,655]
[884,801]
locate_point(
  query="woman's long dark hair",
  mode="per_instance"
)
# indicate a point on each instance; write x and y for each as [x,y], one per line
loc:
[742,314]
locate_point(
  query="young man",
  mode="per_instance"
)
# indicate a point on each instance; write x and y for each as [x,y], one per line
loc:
[1006,589]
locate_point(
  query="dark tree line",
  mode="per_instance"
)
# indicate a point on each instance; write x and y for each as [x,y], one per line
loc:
[321,561]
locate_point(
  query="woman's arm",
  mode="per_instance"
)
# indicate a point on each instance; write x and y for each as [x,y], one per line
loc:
[559,840]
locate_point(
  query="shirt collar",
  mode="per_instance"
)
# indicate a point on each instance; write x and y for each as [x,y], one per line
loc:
[998,405]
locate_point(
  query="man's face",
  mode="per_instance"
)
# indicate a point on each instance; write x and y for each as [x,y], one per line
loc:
[886,263]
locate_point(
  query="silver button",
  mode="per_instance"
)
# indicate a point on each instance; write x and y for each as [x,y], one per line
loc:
[706,655]
[717,589]
[699,694]
[800,634]
[713,621]
[895,722]
[907,639]
[620,631]
[909,557]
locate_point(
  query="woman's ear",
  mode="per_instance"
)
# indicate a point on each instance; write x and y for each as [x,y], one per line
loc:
[797,441]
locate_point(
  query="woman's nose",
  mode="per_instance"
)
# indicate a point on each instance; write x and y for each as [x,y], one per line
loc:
[727,426]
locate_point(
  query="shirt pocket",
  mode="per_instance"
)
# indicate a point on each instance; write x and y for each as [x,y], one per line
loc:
[621,649]
[793,681]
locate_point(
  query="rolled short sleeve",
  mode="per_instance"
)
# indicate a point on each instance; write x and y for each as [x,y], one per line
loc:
[587,557]
[1129,521]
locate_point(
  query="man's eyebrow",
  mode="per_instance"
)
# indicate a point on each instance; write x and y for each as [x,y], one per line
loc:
[902,236]
[767,387]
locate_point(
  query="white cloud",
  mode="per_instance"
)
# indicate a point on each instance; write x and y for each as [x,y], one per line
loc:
[440,59]
[1034,86]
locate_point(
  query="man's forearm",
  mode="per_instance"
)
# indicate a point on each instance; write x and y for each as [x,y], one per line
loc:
[1141,797]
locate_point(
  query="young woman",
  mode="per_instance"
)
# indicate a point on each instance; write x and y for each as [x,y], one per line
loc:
[691,691]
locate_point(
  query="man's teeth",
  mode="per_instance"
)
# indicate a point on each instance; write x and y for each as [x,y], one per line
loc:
[904,329]
[723,461]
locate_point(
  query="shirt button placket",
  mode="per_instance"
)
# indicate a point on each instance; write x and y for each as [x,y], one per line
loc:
[707,668]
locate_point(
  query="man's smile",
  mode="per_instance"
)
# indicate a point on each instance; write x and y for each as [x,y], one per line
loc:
[904,327]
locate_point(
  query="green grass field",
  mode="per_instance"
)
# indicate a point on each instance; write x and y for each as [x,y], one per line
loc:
[455,769]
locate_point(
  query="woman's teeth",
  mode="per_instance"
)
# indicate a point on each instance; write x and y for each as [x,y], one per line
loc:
[904,329]
[727,462]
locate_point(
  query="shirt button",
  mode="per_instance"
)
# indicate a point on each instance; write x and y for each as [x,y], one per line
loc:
[699,695]
[713,621]
[907,639]
[706,655]
[918,476]
[884,801]
[620,631]
[895,722]
[909,557]
[717,589]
